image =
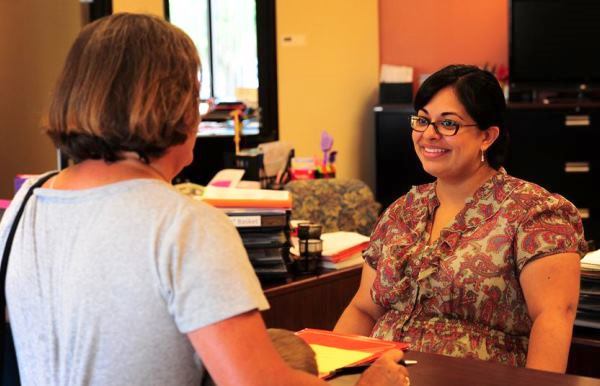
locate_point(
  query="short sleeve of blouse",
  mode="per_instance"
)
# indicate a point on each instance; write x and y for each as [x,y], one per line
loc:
[551,226]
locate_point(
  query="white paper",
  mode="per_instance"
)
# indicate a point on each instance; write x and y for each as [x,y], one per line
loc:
[227,178]
[396,74]
[592,258]
[245,194]
[275,156]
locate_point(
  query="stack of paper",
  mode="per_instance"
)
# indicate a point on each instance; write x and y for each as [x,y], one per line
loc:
[588,310]
[591,261]
[340,249]
[246,198]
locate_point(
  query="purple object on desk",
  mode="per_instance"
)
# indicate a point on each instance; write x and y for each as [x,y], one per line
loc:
[20,179]
[326,145]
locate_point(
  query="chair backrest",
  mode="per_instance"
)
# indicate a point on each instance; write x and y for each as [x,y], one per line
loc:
[337,204]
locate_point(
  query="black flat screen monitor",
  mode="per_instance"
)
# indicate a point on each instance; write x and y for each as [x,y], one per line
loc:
[554,42]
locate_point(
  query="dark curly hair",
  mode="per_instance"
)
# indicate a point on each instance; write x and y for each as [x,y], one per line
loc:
[481,95]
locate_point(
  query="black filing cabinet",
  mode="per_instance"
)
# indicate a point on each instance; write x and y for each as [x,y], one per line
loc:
[397,166]
[555,146]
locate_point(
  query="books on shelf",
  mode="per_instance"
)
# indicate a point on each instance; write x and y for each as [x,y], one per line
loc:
[335,350]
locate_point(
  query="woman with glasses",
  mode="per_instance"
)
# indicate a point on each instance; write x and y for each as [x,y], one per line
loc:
[477,264]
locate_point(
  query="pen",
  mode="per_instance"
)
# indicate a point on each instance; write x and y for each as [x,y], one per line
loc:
[348,370]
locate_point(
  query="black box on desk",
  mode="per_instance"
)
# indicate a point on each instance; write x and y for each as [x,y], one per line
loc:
[391,93]
[251,163]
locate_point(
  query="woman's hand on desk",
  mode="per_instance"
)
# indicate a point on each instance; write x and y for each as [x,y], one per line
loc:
[386,371]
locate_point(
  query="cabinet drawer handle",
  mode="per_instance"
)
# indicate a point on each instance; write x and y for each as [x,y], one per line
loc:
[577,120]
[577,167]
[584,213]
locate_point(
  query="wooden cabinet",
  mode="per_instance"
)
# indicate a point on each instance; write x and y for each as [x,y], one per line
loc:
[314,301]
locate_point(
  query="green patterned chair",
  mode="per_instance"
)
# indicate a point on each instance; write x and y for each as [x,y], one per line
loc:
[337,204]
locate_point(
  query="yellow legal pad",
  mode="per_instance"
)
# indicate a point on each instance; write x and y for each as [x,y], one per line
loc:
[332,358]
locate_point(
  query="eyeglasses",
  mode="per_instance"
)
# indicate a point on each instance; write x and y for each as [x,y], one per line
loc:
[445,127]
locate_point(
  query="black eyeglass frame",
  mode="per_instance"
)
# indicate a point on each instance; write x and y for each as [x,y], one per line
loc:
[456,125]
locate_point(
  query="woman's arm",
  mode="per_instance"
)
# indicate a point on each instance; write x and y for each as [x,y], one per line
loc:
[551,289]
[362,313]
[238,351]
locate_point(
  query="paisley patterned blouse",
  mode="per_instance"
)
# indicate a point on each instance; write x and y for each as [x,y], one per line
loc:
[460,296]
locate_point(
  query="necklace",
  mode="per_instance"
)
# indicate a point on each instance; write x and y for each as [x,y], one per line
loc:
[162,176]
[140,161]
[129,161]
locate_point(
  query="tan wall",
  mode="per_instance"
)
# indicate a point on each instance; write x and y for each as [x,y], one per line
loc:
[330,81]
[154,7]
[35,36]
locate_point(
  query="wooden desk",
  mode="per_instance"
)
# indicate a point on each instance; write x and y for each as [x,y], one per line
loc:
[439,370]
[318,302]
[315,302]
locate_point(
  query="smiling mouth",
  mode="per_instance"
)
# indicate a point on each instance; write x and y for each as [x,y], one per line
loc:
[433,151]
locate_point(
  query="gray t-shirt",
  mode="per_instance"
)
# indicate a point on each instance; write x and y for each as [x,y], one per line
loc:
[104,283]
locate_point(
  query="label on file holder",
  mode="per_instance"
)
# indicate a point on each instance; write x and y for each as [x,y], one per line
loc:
[577,167]
[577,120]
[245,221]
[257,218]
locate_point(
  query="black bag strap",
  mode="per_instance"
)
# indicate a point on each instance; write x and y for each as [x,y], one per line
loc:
[11,236]
[8,359]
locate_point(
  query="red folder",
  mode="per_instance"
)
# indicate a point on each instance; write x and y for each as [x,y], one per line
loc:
[350,342]
[346,253]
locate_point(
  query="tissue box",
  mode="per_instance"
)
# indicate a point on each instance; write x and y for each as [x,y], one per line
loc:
[390,93]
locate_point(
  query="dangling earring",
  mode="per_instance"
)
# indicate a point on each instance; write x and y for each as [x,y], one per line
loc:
[482,156]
